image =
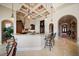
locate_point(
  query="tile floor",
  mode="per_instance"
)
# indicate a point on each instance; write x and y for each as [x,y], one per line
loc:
[63,47]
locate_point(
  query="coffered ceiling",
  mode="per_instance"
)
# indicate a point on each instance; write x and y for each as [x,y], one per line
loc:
[34,10]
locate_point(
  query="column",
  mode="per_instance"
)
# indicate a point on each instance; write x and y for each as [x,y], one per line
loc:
[77,32]
[14,23]
[0,33]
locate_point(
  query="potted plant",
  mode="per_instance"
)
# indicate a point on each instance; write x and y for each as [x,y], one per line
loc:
[7,33]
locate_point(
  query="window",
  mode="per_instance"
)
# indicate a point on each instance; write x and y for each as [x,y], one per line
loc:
[8,25]
[64,28]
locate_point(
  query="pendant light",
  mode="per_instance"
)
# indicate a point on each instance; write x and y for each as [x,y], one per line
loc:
[46,7]
[12,15]
[29,12]
[51,13]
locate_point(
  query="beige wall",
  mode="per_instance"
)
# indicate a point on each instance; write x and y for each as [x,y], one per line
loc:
[5,12]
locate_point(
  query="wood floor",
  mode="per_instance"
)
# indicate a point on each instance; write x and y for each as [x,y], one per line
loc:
[62,47]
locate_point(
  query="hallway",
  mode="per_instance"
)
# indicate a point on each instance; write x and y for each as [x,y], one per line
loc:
[63,47]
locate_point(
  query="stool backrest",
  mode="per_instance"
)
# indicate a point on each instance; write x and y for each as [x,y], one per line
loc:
[54,35]
[50,36]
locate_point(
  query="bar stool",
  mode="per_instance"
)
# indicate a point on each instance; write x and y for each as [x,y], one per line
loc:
[49,41]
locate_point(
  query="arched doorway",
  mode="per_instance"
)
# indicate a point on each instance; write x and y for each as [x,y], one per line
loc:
[50,27]
[7,30]
[68,27]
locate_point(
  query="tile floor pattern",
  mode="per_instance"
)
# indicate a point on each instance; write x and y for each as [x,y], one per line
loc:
[62,47]
[2,50]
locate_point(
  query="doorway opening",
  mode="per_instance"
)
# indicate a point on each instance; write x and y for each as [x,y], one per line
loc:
[19,26]
[42,26]
[68,27]
[50,28]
